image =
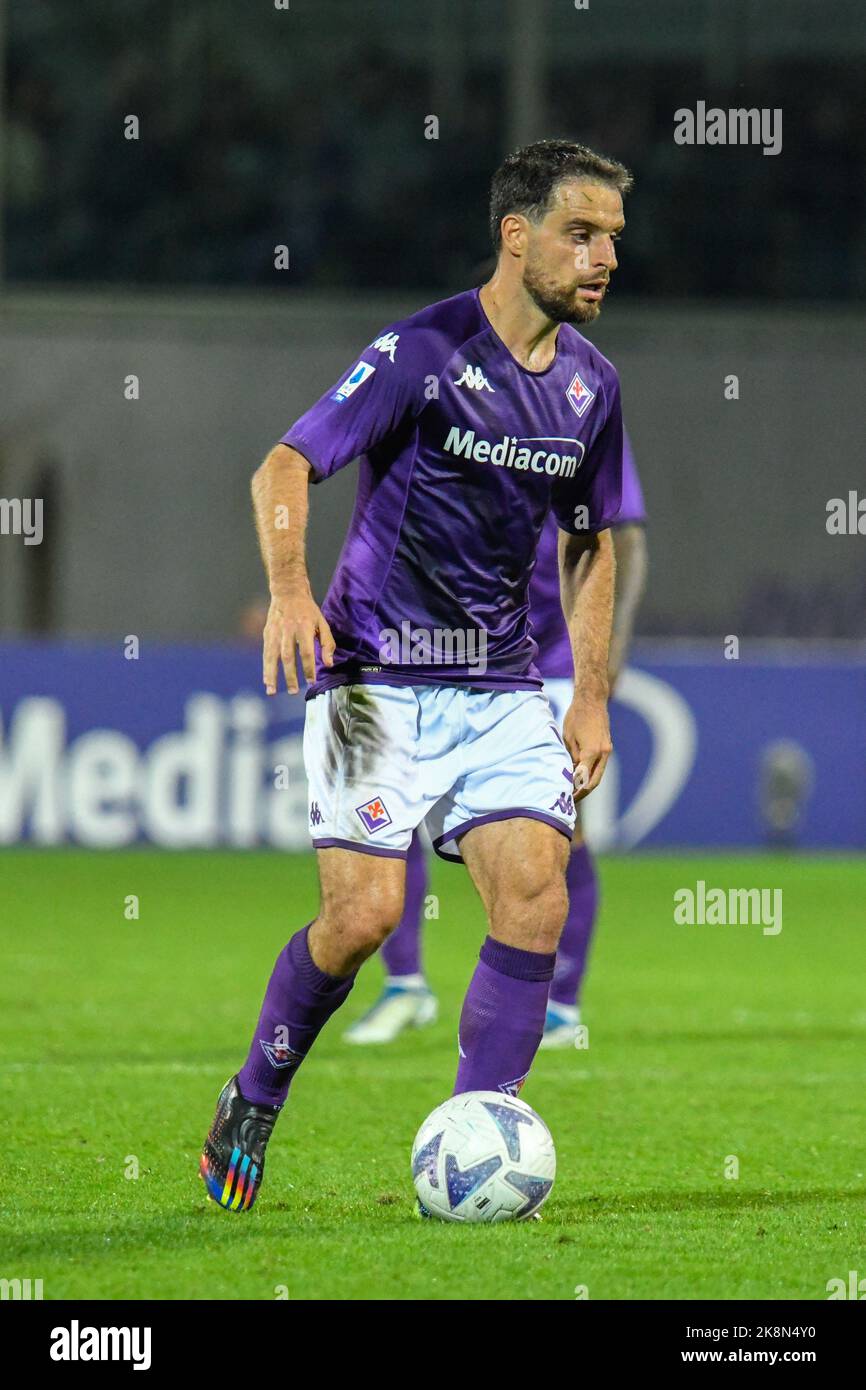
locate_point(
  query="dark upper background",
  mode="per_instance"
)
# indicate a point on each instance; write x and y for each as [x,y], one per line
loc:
[317,140]
[306,128]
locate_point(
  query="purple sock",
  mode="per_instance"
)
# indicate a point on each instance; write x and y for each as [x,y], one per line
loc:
[299,1000]
[582,885]
[401,953]
[503,1018]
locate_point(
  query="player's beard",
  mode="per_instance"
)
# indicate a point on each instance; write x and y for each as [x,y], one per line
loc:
[560,305]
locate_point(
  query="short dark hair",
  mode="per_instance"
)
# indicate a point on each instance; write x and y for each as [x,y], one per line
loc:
[526,181]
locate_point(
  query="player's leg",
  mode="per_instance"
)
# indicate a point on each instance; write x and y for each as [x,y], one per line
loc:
[509,815]
[359,749]
[563,1012]
[406,1000]
[401,953]
[361,901]
[518,867]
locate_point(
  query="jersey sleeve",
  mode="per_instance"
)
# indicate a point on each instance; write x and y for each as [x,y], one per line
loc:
[381,393]
[632,511]
[590,501]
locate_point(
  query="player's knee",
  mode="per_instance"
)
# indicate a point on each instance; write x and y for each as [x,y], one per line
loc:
[551,910]
[541,890]
[362,924]
[376,922]
[533,913]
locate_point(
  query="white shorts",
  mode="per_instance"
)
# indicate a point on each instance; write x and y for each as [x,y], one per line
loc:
[380,759]
[559,692]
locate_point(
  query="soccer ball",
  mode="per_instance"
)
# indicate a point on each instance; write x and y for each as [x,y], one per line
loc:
[483,1156]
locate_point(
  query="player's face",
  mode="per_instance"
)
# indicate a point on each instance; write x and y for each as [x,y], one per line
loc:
[571,253]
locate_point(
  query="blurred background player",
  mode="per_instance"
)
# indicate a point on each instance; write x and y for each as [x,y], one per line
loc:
[407,1001]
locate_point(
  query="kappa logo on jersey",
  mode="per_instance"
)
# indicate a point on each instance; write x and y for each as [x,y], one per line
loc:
[357,378]
[474,378]
[580,398]
[373,815]
[387,342]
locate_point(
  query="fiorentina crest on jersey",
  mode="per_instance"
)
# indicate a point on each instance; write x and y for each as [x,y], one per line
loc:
[373,815]
[580,398]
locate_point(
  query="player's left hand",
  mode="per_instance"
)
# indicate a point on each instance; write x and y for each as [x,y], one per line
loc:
[586,733]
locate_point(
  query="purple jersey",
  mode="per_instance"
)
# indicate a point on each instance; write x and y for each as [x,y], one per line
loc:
[545,604]
[463,451]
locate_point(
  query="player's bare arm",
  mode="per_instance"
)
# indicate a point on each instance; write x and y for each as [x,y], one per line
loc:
[630,549]
[280,491]
[587,569]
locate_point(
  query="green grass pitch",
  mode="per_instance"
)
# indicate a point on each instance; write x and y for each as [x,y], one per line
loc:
[705,1043]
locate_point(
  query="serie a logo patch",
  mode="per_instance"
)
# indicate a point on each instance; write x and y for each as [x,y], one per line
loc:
[373,815]
[353,381]
[580,398]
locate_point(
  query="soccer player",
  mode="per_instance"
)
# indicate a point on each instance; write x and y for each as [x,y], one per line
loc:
[407,1000]
[472,417]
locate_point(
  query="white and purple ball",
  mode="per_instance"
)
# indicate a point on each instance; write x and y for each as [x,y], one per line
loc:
[483,1156]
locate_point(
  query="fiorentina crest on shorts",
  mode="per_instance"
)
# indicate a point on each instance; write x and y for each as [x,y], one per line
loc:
[580,398]
[373,815]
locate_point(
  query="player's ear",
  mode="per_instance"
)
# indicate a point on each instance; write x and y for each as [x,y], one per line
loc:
[514,230]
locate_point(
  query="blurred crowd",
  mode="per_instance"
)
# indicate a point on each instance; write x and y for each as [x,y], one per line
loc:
[335,165]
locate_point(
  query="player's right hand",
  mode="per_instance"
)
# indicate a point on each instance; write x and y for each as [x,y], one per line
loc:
[293,624]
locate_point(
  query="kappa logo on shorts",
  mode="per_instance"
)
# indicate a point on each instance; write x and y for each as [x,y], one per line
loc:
[580,398]
[373,815]
[564,803]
